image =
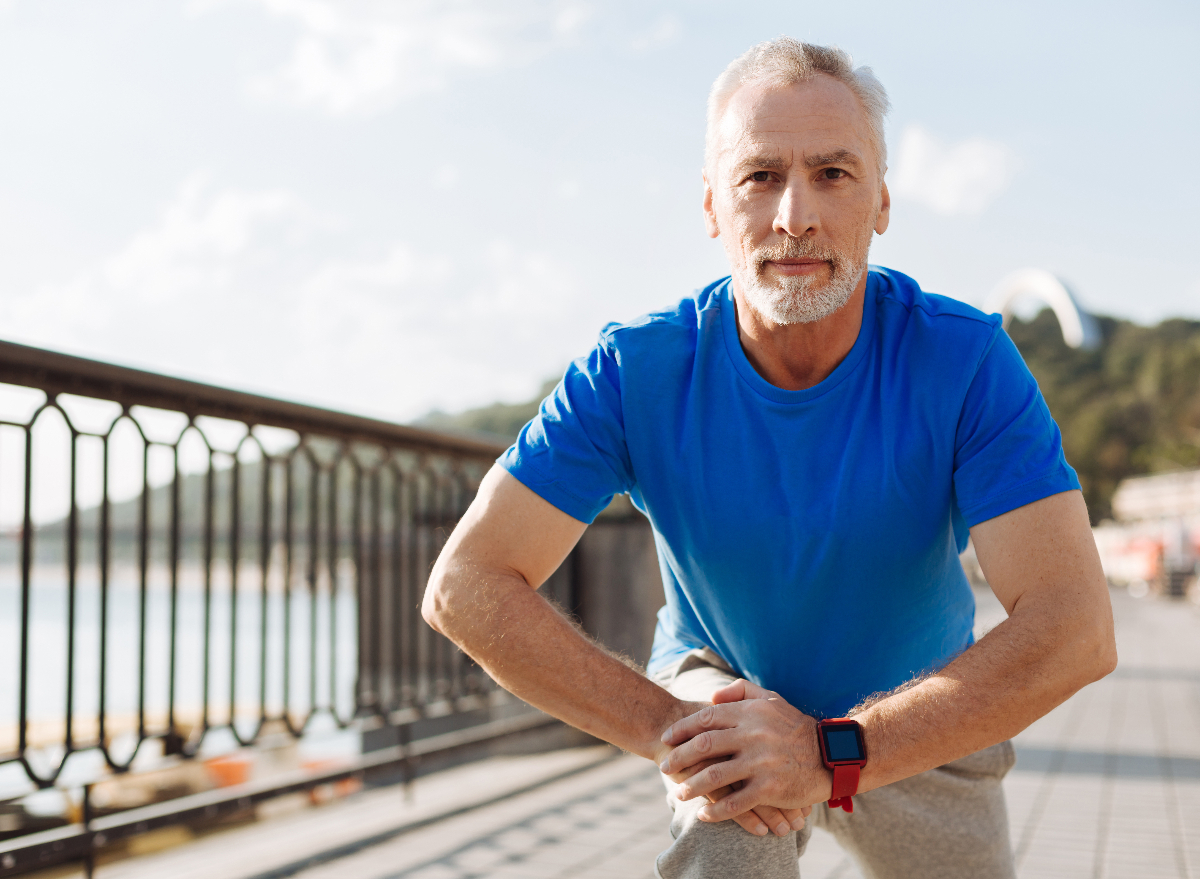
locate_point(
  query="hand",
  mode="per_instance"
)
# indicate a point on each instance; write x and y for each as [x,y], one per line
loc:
[759,821]
[752,736]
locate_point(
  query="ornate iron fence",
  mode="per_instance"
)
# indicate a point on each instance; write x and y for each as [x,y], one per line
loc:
[181,563]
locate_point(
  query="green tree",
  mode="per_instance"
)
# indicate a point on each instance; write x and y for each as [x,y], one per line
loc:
[500,420]
[1130,407]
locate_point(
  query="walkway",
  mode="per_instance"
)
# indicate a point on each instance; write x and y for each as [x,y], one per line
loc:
[1106,787]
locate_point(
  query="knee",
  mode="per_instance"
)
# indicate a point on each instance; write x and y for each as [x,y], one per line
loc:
[701,850]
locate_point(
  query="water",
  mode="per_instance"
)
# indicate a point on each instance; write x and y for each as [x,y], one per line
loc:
[48,665]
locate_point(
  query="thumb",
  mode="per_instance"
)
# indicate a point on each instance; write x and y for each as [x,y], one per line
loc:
[739,690]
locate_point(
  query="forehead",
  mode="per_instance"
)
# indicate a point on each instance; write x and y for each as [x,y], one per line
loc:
[819,115]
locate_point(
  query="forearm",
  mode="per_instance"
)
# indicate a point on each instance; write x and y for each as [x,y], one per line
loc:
[528,648]
[1035,660]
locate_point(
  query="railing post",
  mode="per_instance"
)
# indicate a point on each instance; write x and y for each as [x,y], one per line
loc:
[89,862]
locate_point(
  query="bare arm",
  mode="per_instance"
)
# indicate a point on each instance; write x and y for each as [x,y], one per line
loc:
[1041,562]
[480,596]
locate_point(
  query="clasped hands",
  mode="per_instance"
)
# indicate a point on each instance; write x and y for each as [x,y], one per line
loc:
[753,756]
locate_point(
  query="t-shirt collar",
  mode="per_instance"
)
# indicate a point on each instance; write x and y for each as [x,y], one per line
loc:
[741,363]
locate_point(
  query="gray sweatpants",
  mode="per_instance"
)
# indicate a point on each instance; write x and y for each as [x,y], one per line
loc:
[947,823]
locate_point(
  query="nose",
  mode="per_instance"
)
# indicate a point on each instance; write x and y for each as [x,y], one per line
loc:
[797,213]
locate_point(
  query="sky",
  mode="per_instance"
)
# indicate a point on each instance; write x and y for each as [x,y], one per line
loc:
[389,207]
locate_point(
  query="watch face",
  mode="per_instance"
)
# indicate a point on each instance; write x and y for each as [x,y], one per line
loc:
[843,743]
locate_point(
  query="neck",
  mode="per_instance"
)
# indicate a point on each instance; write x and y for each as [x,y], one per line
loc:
[795,357]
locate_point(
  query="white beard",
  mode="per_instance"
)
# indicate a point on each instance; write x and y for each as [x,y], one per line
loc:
[800,299]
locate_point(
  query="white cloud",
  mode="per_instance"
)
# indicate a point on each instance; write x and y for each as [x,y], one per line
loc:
[427,330]
[197,238]
[362,56]
[256,289]
[665,30]
[199,249]
[959,178]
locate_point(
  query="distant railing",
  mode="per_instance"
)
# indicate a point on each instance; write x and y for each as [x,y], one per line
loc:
[181,561]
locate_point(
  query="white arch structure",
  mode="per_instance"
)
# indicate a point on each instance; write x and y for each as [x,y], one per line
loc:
[1079,328]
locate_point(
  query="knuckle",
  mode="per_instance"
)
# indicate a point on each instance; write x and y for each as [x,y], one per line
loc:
[707,716]
[704,743]
[716,774]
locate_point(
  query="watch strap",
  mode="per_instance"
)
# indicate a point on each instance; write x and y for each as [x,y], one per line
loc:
[845,785]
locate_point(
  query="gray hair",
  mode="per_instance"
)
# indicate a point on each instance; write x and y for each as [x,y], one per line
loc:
[785,61]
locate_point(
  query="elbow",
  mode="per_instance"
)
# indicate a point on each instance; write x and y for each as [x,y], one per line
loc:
[433,606]
[450,597]
[1106,658]
[1101,653]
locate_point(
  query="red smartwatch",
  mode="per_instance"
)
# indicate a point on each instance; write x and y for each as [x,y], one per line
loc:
[843,752]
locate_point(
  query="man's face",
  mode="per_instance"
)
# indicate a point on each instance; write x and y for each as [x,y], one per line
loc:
[796,192]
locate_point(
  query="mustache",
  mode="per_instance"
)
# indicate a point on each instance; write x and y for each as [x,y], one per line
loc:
[799,248]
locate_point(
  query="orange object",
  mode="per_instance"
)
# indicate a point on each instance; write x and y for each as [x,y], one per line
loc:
[229,769]
[324,793]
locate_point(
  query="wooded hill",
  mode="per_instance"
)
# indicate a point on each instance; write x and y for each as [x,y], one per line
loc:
[1128,408]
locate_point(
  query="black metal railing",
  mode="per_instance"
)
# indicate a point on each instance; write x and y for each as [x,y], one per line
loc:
[186,565]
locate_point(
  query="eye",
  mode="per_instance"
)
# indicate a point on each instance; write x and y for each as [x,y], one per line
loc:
[760,176]
[833,173]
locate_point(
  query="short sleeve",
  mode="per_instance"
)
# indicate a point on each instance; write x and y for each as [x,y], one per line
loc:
[573,453]
[1008,450]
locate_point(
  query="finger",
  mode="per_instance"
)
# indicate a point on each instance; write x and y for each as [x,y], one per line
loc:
[757,822]
[709,745]
[764,819]
[712,717]
[712,777]
[748,798]
[794,817]
[688,771]
[748,821]
[751,823]
[715,813]
[740,690]
[777,820]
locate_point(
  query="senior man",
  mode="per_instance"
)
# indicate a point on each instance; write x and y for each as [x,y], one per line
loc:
[811,441]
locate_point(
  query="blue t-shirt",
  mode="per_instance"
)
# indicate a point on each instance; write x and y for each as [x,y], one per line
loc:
[810,538]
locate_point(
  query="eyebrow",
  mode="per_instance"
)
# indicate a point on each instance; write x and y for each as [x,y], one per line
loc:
[763,161]
[768,162]
[833,157]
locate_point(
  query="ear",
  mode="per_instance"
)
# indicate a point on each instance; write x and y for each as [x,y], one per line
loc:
[710,218]
[885,210]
